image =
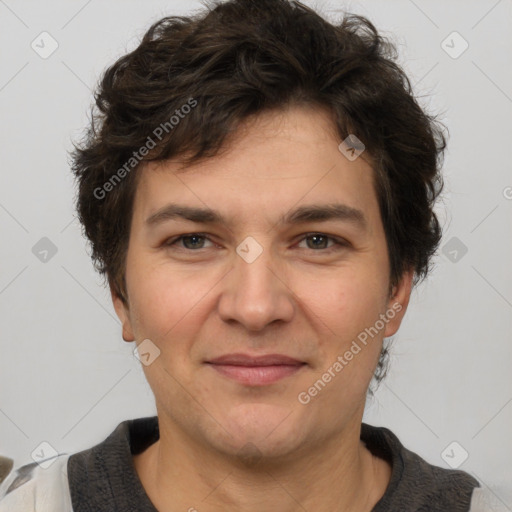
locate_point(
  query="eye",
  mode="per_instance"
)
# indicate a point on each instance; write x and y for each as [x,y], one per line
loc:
[192,241]
[195,241]
[319,240]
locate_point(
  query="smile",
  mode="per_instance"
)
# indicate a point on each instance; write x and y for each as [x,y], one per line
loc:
[257,375]
[252,370]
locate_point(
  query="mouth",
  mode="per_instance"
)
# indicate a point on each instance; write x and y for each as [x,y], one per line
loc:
[256,370]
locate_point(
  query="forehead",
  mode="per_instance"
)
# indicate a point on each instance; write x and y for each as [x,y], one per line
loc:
[274,163]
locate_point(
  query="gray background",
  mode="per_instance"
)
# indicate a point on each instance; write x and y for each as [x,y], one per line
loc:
[66,375]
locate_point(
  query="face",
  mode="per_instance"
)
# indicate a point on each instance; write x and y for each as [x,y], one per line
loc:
[269,278]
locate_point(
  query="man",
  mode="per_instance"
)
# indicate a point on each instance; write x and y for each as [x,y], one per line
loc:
[258,189]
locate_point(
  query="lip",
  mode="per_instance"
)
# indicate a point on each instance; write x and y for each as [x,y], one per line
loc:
[239,359]
[256,370]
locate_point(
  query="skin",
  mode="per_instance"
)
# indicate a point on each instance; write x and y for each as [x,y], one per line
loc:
[225,446]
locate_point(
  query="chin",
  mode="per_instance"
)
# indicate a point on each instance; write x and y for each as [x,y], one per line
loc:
[264,453]
[259,429]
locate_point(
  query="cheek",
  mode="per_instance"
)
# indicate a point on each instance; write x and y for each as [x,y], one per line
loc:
[343,301]
[167,305]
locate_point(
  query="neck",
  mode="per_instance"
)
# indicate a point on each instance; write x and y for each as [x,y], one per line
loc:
[178,474]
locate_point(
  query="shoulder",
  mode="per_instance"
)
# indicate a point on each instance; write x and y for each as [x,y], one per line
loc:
[436,482]
[441,487]
[415,483]
[37,487]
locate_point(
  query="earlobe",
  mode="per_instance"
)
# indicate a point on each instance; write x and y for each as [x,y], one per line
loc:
[398,302]
[123,315]
[127,334]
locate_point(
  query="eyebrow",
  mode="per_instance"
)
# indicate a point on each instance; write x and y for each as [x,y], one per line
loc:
[300,215]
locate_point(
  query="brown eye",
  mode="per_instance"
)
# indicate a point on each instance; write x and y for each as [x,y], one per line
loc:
[319,242]
[190,241]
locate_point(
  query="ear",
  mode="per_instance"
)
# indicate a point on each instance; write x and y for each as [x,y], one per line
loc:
[123,313]
[398,303]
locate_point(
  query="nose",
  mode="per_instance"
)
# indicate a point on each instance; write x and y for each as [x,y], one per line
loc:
[256,292]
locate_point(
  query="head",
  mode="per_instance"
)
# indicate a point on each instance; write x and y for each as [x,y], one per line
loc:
[240,110]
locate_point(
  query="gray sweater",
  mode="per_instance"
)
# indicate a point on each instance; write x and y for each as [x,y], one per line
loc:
[103,478]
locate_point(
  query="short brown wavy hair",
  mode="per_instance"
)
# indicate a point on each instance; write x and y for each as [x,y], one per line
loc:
[240,58]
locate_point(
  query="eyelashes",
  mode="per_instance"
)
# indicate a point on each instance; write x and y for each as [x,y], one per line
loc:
[337,243]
